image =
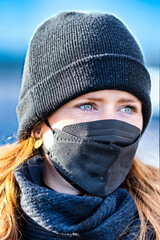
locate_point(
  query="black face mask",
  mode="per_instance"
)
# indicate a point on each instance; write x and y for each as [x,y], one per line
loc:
[95,156]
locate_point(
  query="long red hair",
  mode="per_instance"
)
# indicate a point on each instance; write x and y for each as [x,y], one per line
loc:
[142,182]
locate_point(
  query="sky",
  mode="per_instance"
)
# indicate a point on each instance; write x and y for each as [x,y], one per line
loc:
[19,19]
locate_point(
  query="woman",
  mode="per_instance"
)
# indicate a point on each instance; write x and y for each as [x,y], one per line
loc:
[83,107]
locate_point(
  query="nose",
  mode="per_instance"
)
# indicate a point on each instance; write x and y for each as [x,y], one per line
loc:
[107,112]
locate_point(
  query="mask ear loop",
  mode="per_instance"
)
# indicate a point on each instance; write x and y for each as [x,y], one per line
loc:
[48,125]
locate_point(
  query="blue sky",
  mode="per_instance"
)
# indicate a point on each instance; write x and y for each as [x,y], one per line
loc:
[20,18]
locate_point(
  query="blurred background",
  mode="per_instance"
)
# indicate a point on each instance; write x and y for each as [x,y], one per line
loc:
[18,21]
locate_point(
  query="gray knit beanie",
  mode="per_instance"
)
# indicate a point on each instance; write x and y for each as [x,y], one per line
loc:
[75,53]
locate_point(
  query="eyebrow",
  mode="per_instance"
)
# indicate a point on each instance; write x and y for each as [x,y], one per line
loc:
[121,100]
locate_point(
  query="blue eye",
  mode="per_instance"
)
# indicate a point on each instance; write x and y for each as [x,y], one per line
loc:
[89,106]
[86,106]
[129,109]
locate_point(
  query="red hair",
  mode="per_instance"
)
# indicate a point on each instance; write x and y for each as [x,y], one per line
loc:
[142,182]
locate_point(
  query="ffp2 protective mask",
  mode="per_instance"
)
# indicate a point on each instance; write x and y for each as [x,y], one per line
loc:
[97,155]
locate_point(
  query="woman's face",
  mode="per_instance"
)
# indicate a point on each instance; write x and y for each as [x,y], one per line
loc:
[99,105]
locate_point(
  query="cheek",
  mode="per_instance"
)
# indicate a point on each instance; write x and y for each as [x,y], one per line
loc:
[138,122]
[47,138]
[60,118]
[56,119]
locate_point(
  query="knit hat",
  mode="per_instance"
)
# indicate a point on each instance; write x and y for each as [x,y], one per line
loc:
[75,53]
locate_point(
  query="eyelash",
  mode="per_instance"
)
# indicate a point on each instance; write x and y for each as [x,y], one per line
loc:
[86,103]
[133,108]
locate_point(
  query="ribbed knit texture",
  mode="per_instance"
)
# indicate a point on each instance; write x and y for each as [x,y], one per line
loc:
[75,53]
[51,215]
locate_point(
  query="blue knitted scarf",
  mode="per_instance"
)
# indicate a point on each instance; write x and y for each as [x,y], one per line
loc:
[47,214]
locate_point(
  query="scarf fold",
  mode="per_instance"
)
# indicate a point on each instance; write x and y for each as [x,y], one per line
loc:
[48,214]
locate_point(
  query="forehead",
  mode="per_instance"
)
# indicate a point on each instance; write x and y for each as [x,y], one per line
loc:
[109,95]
